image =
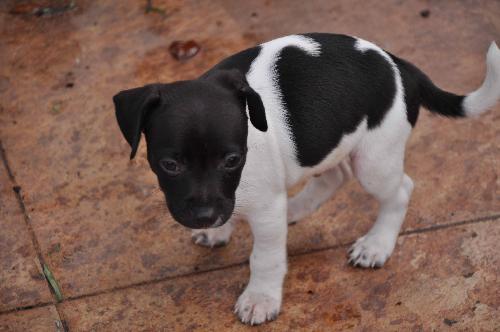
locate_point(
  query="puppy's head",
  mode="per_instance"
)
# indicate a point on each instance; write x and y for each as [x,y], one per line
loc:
[196,134]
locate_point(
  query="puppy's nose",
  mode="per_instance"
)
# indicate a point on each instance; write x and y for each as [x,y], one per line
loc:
[205,216]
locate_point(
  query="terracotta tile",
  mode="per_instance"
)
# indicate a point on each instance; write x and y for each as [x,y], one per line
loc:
[38,319]
[99,220]
[448,274]
[21,281]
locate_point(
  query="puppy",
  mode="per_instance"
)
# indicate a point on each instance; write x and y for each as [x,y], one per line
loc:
[317,106]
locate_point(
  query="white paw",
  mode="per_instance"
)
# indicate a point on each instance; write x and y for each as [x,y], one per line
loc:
[211,237]
[371,250]
[256,308]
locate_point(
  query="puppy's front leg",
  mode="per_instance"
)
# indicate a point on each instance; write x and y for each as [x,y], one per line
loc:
[261,300]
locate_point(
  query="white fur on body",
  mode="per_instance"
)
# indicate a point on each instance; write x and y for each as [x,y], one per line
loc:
[375,156]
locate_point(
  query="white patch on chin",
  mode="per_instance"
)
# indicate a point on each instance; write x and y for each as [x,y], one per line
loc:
[213,236]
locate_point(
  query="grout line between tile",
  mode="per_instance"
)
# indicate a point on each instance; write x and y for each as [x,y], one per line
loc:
[298,254]
[63,321]
[4,160]
[26,307]
[410,232]
[34,239]
[454,224]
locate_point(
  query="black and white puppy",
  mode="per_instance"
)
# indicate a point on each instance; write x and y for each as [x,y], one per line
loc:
[318,104]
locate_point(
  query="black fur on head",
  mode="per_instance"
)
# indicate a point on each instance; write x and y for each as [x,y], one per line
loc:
[196,134]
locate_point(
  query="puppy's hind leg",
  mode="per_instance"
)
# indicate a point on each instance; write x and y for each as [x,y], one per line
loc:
[378,165]
[375,247]
[213,237]
[317,191]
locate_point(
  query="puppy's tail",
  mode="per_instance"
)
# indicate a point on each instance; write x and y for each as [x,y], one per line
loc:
[488,94]
[452,105]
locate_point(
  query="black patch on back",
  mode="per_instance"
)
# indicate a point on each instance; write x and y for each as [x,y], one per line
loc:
[327,96]
[241,61]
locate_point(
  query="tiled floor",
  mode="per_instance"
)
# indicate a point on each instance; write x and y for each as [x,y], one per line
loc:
[97,221]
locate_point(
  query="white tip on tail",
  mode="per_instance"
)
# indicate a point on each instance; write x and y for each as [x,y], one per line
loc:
[488,94]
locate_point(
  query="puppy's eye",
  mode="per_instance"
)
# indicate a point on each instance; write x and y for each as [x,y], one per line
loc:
[232,161]
[170,166]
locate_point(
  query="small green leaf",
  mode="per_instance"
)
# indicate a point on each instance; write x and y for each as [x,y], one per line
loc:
[56,108]
[152,9]
[53,282]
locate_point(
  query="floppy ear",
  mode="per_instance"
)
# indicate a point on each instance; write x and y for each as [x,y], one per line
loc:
[234,79]
[131,108]
[256,109]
